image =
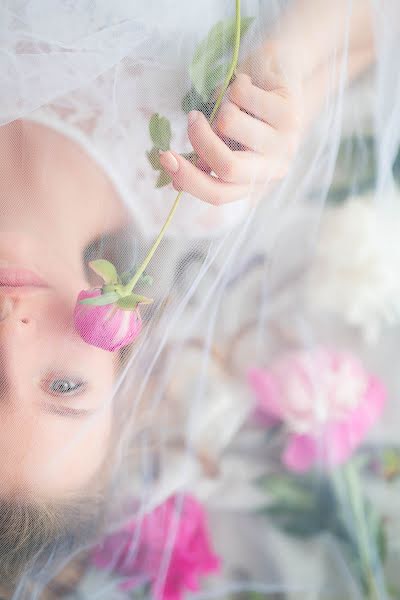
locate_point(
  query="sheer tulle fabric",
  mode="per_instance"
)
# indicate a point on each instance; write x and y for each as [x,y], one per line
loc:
[235,289]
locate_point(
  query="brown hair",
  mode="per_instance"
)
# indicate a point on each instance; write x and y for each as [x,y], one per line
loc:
[37,538]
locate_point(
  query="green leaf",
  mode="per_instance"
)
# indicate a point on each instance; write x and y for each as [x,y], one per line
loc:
[355,169]
[289,490]
[163,179]
[131,302]
[218,42]
[191,156]
[212,50]
[105,269]
[193,101]
[302,506]
[393,590]
[396,167]
[382,462]
[391,463]
[214,77]
[377,527]
[154,159]
[160,132]
[103,300]
[305,506]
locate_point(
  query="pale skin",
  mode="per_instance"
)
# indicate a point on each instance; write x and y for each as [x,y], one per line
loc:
[55,410]
[278,91]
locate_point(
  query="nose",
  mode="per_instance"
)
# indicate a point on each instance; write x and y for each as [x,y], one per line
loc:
[11,309]
[18,347]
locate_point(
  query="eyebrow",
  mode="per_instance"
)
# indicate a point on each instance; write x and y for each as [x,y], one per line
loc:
[66,411]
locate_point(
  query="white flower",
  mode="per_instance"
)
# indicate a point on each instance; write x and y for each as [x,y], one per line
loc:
[198,453]
[356,269]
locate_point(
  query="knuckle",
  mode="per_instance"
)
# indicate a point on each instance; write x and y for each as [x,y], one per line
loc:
[238,90]
[178,183]
[227,169]
[177,187]
[196,129]
[226,116]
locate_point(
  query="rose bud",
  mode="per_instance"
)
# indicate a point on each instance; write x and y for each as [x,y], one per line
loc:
[109,327]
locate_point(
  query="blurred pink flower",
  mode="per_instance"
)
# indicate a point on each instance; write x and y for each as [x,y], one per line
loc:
[327,401]
[107,327]
[168,549]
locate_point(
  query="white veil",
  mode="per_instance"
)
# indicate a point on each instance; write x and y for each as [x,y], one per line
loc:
[252,430]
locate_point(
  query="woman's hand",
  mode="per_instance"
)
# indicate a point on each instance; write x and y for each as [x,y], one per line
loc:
[252,140]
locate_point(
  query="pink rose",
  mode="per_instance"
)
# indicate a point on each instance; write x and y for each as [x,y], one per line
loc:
[168,549]
[108,327]
[327,401]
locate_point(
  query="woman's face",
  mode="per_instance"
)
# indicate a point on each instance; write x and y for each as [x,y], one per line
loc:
[55,390]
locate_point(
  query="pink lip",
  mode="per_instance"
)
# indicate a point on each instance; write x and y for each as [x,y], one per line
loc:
[11,278]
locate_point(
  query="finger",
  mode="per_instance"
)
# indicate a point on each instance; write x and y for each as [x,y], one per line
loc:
[252,133]
[279,112]
[187,177]
[201,164]
[233,167]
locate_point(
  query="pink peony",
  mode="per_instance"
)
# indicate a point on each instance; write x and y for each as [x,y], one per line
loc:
[108,327]
[168,549]
[327,401]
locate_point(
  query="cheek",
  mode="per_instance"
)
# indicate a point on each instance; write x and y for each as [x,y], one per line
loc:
[68,458]
[63,350]
[54,456]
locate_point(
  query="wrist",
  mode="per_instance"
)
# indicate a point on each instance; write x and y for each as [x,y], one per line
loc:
[293,57]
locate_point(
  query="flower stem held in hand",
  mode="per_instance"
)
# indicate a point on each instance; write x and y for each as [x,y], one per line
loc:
[131,284]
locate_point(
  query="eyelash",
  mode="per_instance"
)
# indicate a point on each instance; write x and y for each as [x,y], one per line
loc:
[66,411]
[74,386]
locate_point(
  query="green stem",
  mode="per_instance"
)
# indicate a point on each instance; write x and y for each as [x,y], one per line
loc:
[357,504]
[233,65]
[128,288]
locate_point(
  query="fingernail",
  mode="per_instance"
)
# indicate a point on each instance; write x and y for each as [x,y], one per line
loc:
[169,162]
[193,116]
